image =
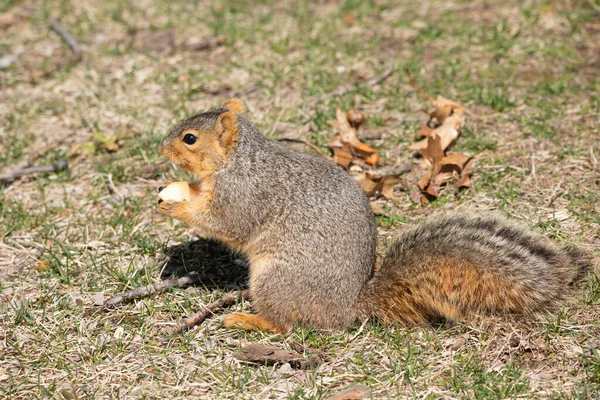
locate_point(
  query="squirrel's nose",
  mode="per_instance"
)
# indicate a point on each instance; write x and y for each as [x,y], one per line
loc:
[161,147]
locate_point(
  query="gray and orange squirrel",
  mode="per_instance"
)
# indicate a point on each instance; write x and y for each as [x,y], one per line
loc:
[309,235]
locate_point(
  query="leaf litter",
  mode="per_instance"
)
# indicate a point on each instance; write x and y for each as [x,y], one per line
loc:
[435,167]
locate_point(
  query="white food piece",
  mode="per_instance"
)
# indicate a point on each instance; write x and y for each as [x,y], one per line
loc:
[176,191]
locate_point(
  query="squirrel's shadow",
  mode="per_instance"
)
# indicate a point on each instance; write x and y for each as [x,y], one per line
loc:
[215,264]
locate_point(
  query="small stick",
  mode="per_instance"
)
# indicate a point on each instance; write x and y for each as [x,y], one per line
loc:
[209,309]
[62,31]
[73,44]
[40,153]
[145,291]
[309,144]
[424,93]
[17,173]
[267,354]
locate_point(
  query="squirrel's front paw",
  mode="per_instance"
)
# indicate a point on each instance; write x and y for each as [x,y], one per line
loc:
[168,207]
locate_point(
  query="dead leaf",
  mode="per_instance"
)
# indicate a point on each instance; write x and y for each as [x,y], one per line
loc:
[444,108]
[341,156]
[98,299]
[269,355]
[464,180]
[440,167]
[424,131]
[356,392]
[348,19]
[374,184]
[43,265]
[450,117]
[434,151]
[454,161]
[448,132]
[348,139]
[443,170]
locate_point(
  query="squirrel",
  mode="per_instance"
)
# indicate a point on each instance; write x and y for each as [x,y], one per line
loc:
[309,235]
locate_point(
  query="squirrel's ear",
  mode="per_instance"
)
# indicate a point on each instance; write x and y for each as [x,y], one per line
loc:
[234,105]
[226,129]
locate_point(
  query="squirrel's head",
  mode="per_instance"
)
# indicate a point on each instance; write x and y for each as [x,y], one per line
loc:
[202,144]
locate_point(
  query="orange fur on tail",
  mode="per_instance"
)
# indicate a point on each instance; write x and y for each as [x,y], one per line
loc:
[444,290]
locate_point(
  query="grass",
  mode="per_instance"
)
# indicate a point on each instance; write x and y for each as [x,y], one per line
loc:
[528,68]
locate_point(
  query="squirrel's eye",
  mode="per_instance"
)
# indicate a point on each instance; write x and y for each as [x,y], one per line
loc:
[189,139]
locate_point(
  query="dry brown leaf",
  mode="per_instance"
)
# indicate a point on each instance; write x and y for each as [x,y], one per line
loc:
[342,156]
[348,19]
[450,117]
[373,184]
[464,180]
[420,145]
[268,355]
[456,161]
[433,189]
[356,392]
[43,265]
[423,182]
[434,151]
[348,139]
[444,108]
[448,132]
[454,165]
[424,131]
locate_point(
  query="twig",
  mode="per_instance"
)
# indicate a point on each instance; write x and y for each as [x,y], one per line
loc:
[307,143]
[73,44]
[62,31]
[209,309]
[345,89]
[424,93]
[149,290]
[16,173]
[265,354]
[40,153]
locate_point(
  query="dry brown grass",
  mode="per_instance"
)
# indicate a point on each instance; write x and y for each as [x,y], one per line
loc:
[94,229]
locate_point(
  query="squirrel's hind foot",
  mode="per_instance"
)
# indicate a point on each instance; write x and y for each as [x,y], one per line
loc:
[251,322]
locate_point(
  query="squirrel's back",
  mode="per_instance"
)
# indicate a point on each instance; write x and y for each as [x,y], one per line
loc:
[451,267]
[309,235]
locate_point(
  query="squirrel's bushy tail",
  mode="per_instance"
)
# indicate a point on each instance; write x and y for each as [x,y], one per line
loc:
[451,267]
